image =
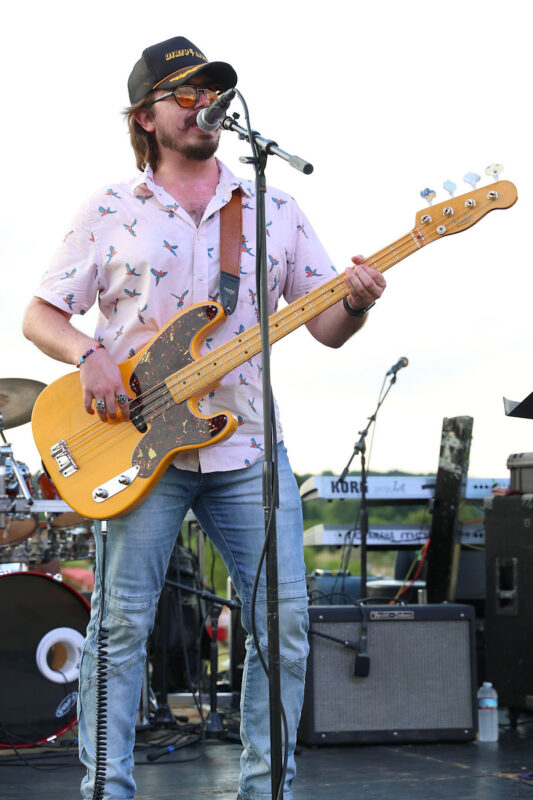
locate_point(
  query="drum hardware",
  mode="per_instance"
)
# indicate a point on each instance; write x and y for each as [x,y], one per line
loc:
[70,536]
[15,526]
[17,519]
[65,535]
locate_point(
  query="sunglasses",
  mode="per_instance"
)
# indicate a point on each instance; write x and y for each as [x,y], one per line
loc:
[187,96]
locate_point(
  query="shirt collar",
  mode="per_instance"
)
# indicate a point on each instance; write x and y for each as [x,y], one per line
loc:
[143,183]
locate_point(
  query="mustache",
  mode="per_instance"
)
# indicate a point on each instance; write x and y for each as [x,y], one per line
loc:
[190,121]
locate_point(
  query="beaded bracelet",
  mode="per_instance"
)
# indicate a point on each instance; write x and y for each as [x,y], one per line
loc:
[86,355]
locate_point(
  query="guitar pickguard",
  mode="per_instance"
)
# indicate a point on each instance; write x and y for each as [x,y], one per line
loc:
[166,424]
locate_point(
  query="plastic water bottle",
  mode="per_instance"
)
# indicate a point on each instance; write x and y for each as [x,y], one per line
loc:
[487,713]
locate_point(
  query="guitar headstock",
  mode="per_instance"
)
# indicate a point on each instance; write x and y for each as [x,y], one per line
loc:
[459,213]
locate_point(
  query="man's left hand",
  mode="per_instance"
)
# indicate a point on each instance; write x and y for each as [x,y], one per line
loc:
[365,284]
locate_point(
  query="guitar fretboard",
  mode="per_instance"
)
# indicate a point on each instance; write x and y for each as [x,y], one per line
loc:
[198,377]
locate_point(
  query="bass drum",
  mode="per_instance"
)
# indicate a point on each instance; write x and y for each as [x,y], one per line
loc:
[42,629]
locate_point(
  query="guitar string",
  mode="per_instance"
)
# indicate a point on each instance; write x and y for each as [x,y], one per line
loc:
[402,248]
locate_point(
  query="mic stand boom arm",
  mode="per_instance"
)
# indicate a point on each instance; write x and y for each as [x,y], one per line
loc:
[269,146]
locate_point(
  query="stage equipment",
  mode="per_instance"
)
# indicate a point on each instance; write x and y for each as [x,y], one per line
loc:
[521,468]
[420,682]
[15,526]
[445,546]
[333,587]
[41,638]
[236,643]
[179,642]
[360,449]
[509,602]
[393,489]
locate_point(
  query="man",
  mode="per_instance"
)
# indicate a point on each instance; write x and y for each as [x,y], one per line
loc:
[147,249]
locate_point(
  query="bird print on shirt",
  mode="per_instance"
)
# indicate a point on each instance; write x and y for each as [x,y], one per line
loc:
[158,273]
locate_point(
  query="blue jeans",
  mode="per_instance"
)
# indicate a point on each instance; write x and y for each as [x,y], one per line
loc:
[228,506]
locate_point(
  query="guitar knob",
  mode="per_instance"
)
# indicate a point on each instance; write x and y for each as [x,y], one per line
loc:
[493,170]
[472,179]
[429,195]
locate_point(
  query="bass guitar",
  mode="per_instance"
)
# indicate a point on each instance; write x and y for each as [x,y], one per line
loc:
[104,469]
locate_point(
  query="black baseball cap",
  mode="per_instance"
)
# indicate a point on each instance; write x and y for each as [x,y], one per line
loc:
[171,63]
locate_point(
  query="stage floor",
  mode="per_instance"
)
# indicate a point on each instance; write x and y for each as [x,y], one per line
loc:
[470,771]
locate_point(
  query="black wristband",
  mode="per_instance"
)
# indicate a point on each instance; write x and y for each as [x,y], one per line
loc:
[360,312]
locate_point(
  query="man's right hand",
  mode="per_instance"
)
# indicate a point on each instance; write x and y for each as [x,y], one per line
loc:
[102,383]
[51,330]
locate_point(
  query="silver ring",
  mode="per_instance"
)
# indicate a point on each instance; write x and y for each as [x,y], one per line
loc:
[100,405]
[121,399]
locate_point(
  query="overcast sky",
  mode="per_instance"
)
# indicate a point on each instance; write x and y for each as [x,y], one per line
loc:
[384,98]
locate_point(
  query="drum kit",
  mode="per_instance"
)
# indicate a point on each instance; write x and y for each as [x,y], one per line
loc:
[44,620]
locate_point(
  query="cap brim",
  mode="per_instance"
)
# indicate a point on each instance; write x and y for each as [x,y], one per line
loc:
[220,72]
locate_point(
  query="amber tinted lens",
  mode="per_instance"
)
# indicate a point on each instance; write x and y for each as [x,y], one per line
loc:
[186,96]
[211,94]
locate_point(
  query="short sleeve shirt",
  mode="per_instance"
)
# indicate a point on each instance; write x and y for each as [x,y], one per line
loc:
[132,249]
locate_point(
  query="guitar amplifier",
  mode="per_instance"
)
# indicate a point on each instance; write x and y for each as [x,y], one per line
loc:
[421,676]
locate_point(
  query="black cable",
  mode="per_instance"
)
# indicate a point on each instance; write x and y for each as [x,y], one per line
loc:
[101,683]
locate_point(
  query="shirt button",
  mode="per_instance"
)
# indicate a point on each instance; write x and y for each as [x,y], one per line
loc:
[200,277]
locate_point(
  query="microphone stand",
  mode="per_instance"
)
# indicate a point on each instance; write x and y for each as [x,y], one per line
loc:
[214,729]
[360,448]
[261,149]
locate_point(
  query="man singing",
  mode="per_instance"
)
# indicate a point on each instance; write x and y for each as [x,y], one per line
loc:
[145,250]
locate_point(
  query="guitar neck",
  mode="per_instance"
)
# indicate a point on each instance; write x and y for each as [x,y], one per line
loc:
[198,377]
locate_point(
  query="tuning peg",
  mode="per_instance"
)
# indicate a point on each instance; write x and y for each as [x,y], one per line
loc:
[472,179]
[429,195]
[494,171]
[450,187]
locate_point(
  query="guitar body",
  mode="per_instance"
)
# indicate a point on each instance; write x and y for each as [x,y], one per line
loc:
[160,425]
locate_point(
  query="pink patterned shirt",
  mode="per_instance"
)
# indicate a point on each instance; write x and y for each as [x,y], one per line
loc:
[132,247]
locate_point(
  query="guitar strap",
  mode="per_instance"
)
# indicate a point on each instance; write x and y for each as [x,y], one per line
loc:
[230,252]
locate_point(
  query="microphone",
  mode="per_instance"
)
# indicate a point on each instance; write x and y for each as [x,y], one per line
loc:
[361,667]
[209,118]
[400,364]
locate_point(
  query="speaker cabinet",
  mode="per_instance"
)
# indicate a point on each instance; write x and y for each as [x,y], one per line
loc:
[509,606]
[421,681]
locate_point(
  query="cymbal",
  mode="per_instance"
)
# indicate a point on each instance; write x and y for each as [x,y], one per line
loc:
[17,398]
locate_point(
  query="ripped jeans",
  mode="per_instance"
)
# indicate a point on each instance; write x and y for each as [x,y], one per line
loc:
[228,506]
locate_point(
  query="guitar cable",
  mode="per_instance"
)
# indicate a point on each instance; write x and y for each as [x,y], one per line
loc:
[101,682]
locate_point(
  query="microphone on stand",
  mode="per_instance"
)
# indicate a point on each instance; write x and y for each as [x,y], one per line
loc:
[209,118]
[400,364]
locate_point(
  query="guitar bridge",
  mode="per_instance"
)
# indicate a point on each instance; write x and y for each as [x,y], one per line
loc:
[63,456]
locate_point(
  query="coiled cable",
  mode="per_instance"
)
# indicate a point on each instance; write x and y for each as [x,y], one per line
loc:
[101,683]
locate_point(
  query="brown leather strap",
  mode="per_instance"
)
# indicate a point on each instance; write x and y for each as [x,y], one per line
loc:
[230,251]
